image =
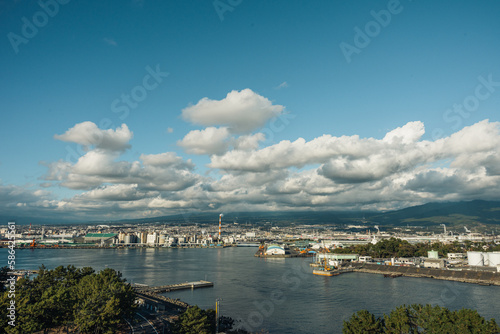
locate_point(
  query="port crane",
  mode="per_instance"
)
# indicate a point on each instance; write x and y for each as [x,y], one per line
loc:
[305,251]
[326,265]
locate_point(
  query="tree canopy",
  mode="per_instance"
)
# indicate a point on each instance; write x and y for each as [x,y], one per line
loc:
[76,298]
[3,277]
[421,319]
[195,320]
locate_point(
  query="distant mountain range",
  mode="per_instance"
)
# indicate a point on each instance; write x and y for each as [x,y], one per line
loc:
[454,213]
[467,213]
[470,213]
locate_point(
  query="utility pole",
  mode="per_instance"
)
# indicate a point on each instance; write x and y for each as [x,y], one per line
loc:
[217,312]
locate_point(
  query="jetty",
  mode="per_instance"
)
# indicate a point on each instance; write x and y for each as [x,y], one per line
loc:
[172,287]
[160,303]
[150,296]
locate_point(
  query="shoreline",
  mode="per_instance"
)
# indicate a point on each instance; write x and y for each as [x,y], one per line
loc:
[118,247]
[464,276]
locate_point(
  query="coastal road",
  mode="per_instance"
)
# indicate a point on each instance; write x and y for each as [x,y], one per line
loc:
[146,323]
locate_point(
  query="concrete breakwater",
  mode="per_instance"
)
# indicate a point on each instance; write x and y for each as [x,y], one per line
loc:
[173,287]
[164,299]
[151,295]
[466,276]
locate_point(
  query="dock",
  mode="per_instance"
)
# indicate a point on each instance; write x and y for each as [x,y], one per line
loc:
[174,287]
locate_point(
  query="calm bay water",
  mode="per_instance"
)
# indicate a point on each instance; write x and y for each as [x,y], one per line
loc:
[278,295]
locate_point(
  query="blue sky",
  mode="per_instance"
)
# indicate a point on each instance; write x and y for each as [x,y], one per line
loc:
[291,77]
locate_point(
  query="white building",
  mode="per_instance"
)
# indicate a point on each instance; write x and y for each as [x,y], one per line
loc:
[275,250]
[404,261]
[250,234]
[433,254]
[434,263]
[152,238]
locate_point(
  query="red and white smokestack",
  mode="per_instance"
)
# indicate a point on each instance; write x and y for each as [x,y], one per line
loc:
[220,224]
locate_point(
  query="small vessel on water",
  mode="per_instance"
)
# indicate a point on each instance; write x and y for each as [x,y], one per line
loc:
[325,272]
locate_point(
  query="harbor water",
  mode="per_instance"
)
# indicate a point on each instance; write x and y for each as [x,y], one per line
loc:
[277,295]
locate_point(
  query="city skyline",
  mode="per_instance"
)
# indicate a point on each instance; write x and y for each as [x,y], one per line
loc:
[146,109]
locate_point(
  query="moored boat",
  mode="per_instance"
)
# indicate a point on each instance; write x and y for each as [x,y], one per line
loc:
[324,272]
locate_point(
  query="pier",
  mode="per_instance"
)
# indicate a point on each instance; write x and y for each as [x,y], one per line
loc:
[160,303]
[151,298]
[173,287]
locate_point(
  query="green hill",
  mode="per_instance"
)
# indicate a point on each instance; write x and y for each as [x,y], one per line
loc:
[474,213]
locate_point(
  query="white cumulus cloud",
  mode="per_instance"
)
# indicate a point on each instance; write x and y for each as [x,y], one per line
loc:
[407,134]
[166,159]
[211,140]
[88,134]
[241,111]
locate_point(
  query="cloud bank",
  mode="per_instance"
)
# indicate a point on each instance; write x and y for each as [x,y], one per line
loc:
[326,172]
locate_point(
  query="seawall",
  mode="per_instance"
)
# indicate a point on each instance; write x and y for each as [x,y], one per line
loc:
[466,276]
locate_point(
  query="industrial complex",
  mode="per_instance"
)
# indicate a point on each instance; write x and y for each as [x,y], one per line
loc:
[316,241]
